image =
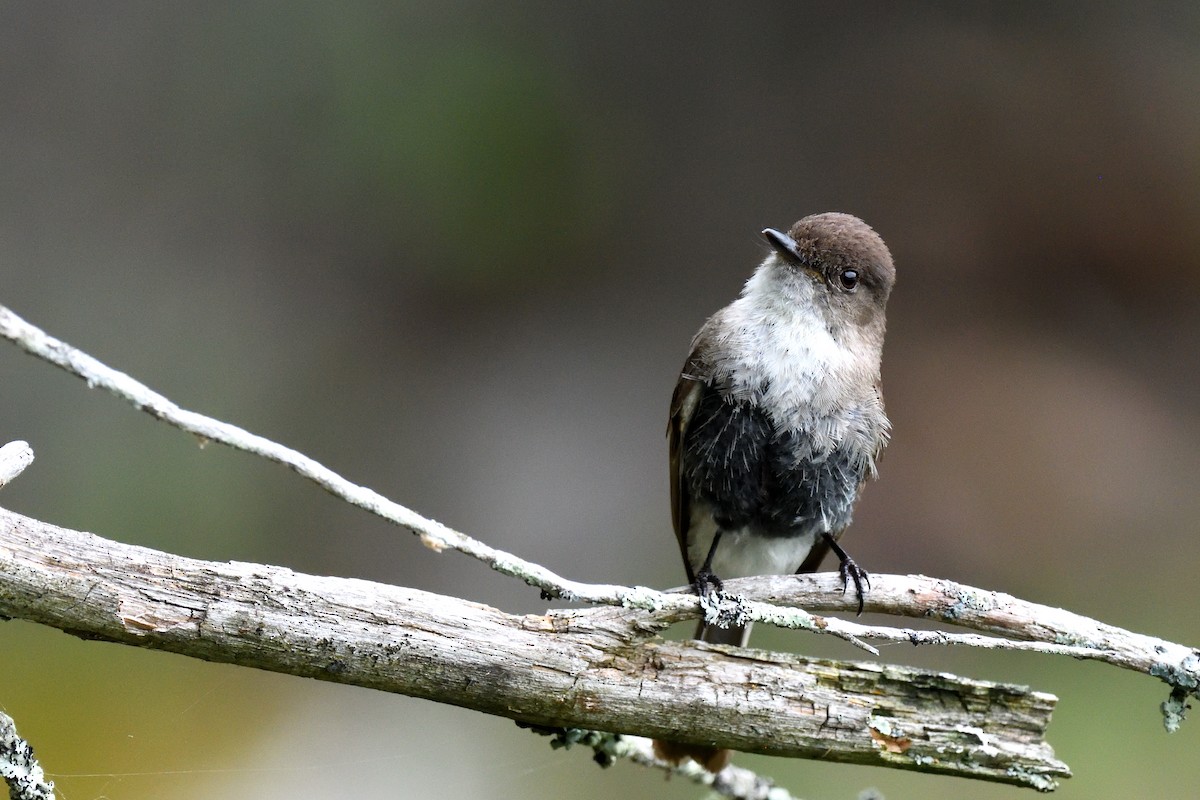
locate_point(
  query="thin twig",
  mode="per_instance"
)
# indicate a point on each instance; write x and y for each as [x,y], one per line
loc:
[433,534]
[1177,665]
[733,782]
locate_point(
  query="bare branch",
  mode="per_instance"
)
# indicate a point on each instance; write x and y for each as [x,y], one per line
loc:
[571,669]
[433,534]
[732,782]
[1044,629]
[14,458]
[599,669]
[19,769]
[1033,627]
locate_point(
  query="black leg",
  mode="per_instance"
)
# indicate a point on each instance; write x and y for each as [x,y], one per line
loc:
[706,580]
[849,571]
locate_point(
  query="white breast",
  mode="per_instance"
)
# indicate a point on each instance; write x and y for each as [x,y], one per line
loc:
[776,348]
[742,554]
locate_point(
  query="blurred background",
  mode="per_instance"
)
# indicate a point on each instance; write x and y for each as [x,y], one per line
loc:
[456,251]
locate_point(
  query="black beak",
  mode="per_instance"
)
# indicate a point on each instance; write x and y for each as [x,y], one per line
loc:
[784,245]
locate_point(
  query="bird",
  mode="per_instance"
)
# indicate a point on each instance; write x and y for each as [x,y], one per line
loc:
[777,419]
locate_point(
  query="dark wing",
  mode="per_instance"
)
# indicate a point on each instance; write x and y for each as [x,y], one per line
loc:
[720,449]
[683,404]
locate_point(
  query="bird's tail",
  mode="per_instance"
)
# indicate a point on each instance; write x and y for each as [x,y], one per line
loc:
[736,635]
[712,759]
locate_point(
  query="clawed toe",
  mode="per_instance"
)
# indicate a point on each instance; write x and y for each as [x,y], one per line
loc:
[850,572]
[853,573]
[706,583]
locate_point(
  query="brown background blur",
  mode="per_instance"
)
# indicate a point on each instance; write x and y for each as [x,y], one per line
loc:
[457,250]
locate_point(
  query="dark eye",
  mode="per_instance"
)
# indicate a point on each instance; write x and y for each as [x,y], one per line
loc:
[848,279]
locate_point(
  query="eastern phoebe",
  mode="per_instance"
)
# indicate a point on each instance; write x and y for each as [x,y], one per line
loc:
[778,417]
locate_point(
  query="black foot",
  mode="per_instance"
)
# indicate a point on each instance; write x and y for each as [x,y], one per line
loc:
[706,583]
[850,572]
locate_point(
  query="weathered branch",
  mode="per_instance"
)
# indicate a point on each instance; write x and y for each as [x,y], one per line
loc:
[593,668]
[14,458]
[1033,627]
[19,769]
[433,534]
[600,669]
